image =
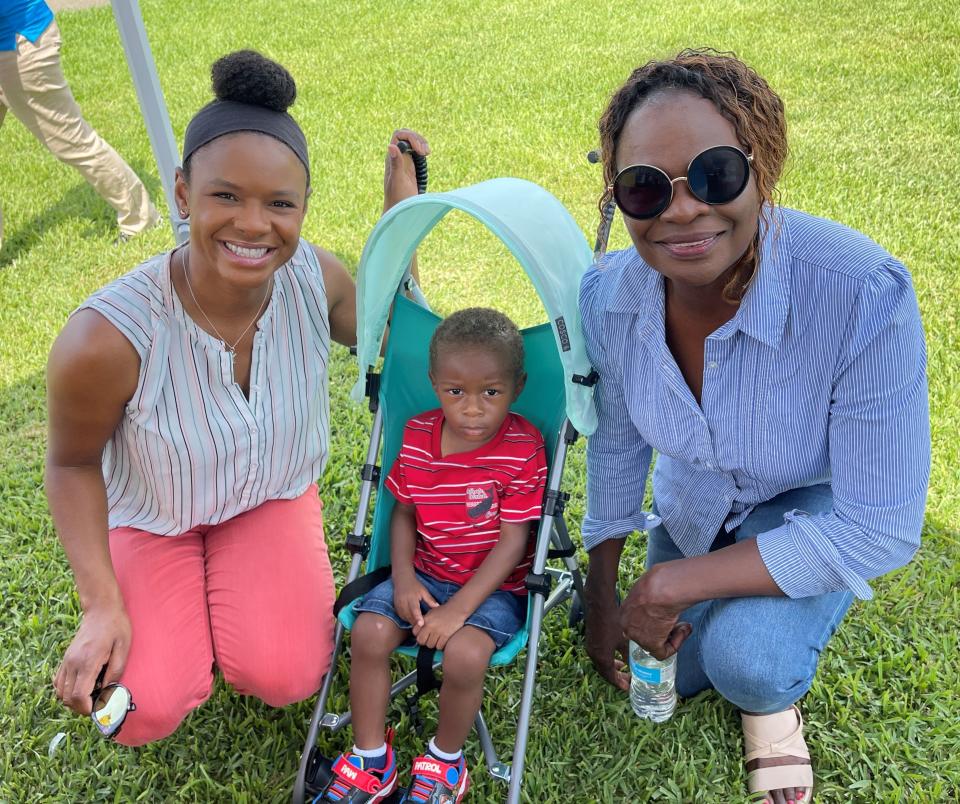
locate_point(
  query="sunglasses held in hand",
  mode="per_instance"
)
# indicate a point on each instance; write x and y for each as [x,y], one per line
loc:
[717,175]
[111,704]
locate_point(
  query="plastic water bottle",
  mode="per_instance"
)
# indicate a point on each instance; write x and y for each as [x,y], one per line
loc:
[653,691]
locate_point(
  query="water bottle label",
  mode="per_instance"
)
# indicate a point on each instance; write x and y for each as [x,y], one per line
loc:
[650,675]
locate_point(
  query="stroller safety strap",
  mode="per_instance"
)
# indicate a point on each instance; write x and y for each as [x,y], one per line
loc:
[358,587]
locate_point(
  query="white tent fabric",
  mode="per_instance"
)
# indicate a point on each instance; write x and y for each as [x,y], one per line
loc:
[536,228]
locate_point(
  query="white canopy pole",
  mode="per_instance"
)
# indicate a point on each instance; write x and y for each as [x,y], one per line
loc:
[152,106]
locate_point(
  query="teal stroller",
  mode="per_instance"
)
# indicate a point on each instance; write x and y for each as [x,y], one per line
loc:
[557,399]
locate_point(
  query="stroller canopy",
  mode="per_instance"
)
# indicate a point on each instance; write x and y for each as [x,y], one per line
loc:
[537,230]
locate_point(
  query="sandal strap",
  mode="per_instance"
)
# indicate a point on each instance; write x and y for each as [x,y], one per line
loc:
[763,735]
[763,738]
[780,776]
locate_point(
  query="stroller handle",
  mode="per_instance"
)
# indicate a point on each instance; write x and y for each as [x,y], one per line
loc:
[419,164]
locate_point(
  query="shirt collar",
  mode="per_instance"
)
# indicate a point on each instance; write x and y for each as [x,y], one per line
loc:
[763,312]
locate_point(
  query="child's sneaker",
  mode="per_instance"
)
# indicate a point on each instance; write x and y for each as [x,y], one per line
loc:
[354,784]
[437,782]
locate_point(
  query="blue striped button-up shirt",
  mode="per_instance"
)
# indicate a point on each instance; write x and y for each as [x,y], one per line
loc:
[820,377]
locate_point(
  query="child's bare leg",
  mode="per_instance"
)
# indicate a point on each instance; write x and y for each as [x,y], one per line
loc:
[372,639]
[465,660]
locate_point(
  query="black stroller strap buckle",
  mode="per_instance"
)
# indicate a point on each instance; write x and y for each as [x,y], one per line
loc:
[590,380]
[370,472]
[539,584]
[554,502]
[413,712]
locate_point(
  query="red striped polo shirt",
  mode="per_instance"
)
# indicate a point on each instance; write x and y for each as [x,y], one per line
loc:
[461,500]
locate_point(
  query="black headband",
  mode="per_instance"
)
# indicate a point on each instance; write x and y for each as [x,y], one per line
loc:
[221,117]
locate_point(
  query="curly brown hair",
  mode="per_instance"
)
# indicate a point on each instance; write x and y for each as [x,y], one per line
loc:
[740,95]
[480,327]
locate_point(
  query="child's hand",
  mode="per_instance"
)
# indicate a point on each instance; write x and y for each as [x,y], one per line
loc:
[406,600]
[438,626]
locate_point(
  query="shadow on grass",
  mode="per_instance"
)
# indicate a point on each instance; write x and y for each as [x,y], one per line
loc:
[80,201]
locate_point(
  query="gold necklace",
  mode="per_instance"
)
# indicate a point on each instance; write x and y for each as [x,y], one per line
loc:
[230,347]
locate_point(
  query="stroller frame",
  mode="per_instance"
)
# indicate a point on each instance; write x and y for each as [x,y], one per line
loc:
[547,586]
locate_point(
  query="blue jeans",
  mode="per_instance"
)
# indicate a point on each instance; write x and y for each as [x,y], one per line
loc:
[760,653]
[501,615]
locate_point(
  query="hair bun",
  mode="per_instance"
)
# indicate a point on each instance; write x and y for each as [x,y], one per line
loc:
[246,76]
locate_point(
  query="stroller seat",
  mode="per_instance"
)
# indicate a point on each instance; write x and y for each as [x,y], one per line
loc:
[557,399]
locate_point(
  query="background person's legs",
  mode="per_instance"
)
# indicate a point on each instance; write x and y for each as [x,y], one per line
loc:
[169,671]
[36,91]
[270,591]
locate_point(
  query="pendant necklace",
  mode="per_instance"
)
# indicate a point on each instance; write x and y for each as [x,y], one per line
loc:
[230,347]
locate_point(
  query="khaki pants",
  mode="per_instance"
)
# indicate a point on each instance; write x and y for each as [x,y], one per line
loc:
[33,87]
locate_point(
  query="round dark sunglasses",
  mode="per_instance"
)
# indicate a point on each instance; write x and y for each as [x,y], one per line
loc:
[715,176]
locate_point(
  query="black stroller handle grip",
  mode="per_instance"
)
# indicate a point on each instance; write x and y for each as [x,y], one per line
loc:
[419,164]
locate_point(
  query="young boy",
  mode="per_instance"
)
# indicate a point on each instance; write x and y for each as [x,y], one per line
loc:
[468,481]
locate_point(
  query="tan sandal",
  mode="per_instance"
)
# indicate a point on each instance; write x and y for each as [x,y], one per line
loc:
[774,736]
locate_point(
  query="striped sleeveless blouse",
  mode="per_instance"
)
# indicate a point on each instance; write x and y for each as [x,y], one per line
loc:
[191,449]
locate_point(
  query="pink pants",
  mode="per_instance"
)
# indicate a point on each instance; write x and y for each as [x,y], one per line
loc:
[253,595]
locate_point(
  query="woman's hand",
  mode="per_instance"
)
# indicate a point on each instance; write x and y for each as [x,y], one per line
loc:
[407,595]
[650,620]
[438,626]
[399,176]
[604,638]
[103,638]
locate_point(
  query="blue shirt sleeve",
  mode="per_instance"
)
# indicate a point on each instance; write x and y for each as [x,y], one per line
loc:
[29,18]
[879,447]
[618,458]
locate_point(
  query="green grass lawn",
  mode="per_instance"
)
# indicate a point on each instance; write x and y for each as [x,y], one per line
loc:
[500,89]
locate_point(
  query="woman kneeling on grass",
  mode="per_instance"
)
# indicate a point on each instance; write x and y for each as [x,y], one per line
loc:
[188,419]
[776,363]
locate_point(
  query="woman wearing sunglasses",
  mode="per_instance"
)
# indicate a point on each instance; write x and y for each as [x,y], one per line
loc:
[776,363]
[189,421]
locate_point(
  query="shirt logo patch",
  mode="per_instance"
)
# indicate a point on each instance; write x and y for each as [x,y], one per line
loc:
[481,502]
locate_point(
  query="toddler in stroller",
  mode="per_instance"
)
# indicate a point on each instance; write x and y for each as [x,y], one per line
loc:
[556,398]
[468,482]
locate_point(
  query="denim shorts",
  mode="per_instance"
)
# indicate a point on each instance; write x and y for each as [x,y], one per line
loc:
[501,615]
